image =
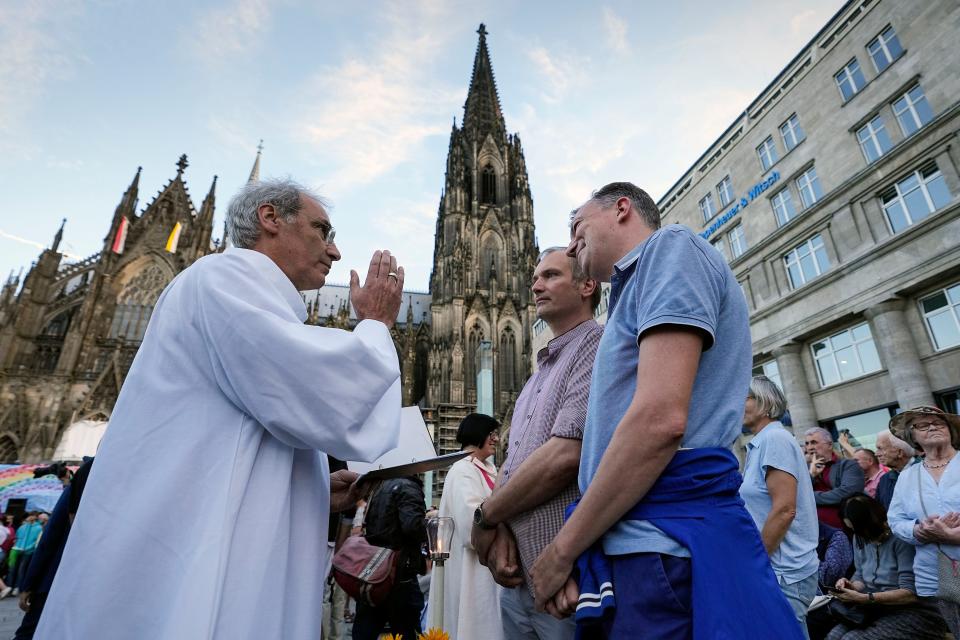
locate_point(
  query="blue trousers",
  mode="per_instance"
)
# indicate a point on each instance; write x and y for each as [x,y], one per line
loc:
[654,597]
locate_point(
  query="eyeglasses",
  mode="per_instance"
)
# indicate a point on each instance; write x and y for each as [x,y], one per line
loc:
[927,426]
[327,232]
[809,442]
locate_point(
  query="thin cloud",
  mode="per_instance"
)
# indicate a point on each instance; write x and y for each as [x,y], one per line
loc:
[226,31]
[615,28]
[373,113]
[33,49]
[34,244]
[559,73]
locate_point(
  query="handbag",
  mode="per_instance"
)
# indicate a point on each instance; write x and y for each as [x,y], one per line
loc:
[849,614]
[948,569]
[364,571]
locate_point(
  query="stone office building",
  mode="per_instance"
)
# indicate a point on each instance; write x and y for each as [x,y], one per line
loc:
[835,197]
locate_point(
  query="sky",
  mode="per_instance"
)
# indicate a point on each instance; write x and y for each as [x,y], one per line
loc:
[356,100]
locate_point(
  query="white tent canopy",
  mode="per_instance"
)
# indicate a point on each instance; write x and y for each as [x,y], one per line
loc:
[80,439]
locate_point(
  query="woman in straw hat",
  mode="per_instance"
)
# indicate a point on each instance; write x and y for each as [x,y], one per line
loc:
[925,510]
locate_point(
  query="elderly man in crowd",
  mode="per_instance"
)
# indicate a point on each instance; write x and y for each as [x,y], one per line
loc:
[834,478]
[235,403]
[897,455]
[659,481]
[539,477]
[873,471]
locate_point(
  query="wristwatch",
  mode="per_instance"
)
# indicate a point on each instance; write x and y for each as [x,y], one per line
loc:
[870,598]
[479,520]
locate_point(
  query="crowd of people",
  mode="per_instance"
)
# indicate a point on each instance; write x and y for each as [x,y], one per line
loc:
[620,511]
[18,541]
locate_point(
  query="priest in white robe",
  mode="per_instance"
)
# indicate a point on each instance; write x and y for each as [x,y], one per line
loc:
[206,514]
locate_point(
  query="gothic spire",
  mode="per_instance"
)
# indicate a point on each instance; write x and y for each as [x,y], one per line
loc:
[210,194]
[130,196]
[481,111]
[206,217]
[223,241]
[182,165]
[255,171]
[57,238]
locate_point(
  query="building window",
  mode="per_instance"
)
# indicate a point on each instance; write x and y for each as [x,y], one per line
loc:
[792,132]
[912,110]
[850,80]
[770,370]
[767,152]
[862,427]
[846,355]
[725,191]
[806,262]
[884,49]
[738,242]
[941,311]
[873,139]
[488,186]
[783,207]
[718,245]
[915,197]
[809,187]
[707,208]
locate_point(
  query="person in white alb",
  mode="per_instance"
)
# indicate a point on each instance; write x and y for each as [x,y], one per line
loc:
[206,515]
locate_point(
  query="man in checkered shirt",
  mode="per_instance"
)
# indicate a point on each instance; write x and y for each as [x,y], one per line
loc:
[539,478]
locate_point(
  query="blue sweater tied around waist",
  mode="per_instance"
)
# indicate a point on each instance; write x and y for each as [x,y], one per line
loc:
[696,502]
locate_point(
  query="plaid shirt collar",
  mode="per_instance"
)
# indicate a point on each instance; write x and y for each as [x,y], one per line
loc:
[556,345]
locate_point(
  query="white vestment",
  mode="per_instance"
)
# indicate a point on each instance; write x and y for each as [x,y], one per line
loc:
[206,513]
[471,599]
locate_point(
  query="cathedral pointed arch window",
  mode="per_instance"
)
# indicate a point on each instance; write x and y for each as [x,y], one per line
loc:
[488,185]
[508,360]
[135,304]
[471,362]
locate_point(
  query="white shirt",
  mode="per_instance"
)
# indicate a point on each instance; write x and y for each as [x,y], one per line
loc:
[906,509]
[206,514]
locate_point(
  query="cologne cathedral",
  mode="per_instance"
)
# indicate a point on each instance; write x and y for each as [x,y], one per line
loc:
[69,331]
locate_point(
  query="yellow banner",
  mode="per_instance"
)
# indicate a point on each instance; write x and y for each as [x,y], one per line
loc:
[174,238]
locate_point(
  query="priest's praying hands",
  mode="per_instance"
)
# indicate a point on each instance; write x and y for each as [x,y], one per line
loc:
[379,297]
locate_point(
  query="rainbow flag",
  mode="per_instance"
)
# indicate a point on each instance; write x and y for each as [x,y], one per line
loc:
[174,238]
[17,481]
[120,240]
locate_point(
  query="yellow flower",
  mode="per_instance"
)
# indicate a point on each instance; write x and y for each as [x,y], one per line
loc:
[434,634]
[393,637]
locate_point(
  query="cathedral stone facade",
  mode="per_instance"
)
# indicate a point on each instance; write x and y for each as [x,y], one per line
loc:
[69,335]
[69,331]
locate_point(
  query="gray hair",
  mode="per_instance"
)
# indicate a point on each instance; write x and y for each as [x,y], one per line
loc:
[641,200]
[820,431]
[243,223]
[896,442]
[768,397]
[579,275]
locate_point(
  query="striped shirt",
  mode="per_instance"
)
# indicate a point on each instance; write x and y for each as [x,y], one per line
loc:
[553,403]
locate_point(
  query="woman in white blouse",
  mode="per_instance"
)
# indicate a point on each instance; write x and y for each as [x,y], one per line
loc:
[925,510]
[471,599]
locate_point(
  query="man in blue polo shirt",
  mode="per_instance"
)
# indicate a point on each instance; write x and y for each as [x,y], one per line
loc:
[658,478]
